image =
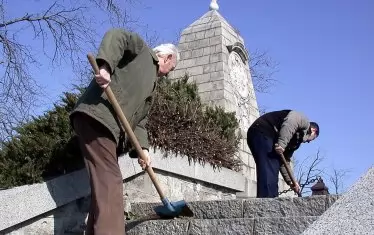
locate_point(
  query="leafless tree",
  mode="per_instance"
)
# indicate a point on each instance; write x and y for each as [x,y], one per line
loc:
[65,31]
[337,178]
[262,68]
[311,168]
[308,169]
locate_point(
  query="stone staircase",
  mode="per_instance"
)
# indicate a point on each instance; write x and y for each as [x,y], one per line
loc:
[287,215]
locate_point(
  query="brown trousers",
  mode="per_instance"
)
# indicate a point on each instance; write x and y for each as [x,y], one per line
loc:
[106,215]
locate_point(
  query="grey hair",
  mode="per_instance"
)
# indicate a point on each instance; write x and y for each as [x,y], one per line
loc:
[166,49]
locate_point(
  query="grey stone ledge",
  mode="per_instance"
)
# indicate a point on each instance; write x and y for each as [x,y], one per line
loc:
[247,208]
[25,202]
[258,226]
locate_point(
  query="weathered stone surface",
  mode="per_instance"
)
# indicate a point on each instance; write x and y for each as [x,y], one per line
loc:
[202,209]
[353,213]
[29,201]
[26,206]
[282,226]
[247,208]
[221,226]
[287,206]
[217,209]
[210,217]
[245,226]
[330,200]
[68,219]
[159,227]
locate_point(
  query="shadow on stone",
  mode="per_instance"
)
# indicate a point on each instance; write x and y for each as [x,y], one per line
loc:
[69,218]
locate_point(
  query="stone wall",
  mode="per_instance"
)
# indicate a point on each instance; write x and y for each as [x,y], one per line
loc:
[62,203]
[139,188]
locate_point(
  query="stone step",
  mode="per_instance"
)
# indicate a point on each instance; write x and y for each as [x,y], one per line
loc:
[248,208]
[233,226]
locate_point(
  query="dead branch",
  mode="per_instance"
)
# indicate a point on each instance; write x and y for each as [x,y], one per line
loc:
[336,178]
[309,169]
[262,68]
[65,34]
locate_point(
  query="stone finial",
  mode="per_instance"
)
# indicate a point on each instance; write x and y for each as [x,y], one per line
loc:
[213,5]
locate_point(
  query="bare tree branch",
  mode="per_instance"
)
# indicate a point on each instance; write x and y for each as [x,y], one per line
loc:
[308,170]
[262,68]
[337,178]
[65,32]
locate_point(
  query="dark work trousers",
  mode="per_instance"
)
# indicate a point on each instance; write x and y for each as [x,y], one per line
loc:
[267,163]
[106,215]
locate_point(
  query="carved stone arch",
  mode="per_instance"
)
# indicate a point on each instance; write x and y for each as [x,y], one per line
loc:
[239,48]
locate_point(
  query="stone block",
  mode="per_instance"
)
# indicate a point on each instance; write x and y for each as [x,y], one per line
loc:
[187,63]
[28,201]
[228,95]
[218,31]
[216,57]
[210,86]
[284,207]
[209,68]
[222,209]
[252,162]
[182,72]
[220,48]
[189,37]
[202,27]
[219,66]
[159,227]
[206,26]
[222,226]
[244,157]
[202,60]
[185,31]
[282,226]
[205,20]
[331,199]
[352,213]
[211,95]
[215,76]
[202,78]
[199,44]
[219,103]
[209,50]
[196,70]
[215,40]
[183,46]
[185,55]
[199,35]
[197,52]
[209,33]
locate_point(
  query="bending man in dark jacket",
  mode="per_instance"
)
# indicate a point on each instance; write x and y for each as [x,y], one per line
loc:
[132,68]
[272,134]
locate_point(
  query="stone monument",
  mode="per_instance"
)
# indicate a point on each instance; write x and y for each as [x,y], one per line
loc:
[213,53]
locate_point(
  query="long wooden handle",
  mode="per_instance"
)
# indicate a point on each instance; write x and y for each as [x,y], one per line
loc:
[289,170]
[126,125]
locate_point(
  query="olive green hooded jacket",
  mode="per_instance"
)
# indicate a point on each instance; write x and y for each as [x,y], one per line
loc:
[134,69]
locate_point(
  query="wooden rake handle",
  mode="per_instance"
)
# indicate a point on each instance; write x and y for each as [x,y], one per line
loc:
[289,171]
[112,99]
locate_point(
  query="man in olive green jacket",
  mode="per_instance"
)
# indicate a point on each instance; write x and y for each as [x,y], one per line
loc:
[132,69]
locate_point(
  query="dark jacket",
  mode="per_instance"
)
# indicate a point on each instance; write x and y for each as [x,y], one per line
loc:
[134,68]
[288,128]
